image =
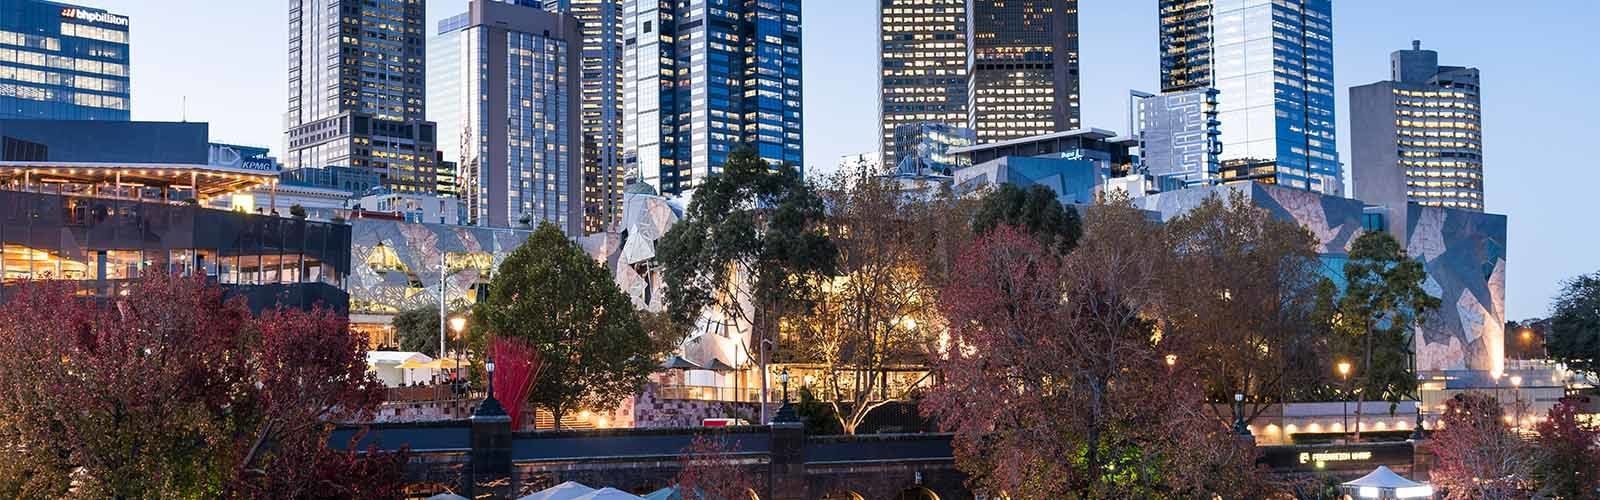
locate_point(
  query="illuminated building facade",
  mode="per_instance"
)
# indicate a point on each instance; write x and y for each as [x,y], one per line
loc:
[62,62]
[103,202]
[520,101]
[1024,73]
[1272,64]
[356,90]
[1418,137]
[922,66]
[704,78]
[924,148]
[601,23]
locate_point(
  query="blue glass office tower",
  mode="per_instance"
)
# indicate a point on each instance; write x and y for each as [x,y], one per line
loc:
[62,62]
[1272,63]
[700,79]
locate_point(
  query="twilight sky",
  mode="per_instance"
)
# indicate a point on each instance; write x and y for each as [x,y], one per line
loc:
[1537,57]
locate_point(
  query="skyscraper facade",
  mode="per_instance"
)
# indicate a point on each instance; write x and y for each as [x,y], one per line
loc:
[1418,137]
[1272,63]
[62,62]
[601,22]
[1024,68]
[1178,135]
[356,90]
[922,66]
[701,79]
[517,114]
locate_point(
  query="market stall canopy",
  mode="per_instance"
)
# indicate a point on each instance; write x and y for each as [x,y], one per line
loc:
[1384,483]
[396,358]
[609,494]
[718,366]
[447,496]
[564,491]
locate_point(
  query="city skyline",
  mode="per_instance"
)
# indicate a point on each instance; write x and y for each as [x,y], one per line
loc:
[243,102]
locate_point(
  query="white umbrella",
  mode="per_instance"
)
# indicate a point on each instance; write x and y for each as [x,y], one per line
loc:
[564,491]
[448,496]
[1384,483]
[609,494]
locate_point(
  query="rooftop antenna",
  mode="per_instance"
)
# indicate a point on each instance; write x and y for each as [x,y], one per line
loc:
[183,110]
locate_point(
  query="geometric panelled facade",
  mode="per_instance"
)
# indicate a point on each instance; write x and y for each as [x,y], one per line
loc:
[395,265]
[1463,252]
[1418,137]
[922,66]
[356,90]
[1272,63]
[62,62]
[701,79]
[1178,136]
[1024,68]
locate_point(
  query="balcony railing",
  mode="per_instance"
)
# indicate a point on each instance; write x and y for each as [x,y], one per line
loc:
[711,393]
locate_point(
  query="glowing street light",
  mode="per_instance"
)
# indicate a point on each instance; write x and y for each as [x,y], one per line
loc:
[1344,406]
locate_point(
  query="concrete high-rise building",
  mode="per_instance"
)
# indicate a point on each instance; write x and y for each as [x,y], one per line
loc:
[603,171]
[62,62]
[1178,135]
[356,90]
[1024,68]
[1418,137]
[516,114]
[922,66]
[701,79]
[1272,63]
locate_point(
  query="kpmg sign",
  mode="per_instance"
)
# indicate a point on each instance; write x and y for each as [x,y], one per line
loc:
[223,155]
[93,16]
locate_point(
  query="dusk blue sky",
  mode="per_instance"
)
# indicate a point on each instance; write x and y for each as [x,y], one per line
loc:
[1538,60]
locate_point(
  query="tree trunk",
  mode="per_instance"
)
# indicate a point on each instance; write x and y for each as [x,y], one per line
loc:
[556,412]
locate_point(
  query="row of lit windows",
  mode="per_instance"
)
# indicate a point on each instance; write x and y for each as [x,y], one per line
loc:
[61,62]
[1437,124]
[1440,144]
[1440,164]
[1435,114]
[57,79]
[82,99]
[1443,184]
[1437,103]
[1459,174]
[1412,132]
[1433,193]
[94,33]
[1431,93]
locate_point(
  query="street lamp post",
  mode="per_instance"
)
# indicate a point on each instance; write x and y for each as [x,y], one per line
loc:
[1172,361]
[1344,403]
[1516,384]
[1239,426]
[457,325]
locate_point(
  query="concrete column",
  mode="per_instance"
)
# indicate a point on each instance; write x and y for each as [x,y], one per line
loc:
[491,453]
[786,476]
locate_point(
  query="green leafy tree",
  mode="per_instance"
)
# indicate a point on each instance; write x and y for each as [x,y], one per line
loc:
[1382,305]
[1574,335]
[551,294]
[749,232]
[1036,210]
[417,330]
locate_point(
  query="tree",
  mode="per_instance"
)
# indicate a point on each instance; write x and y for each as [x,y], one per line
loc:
[417,330]
[1478,457]
[1054,385]
[1382,306]
[1574,336]
[1036,210]
[297,211]
[1567,464]
[708,472]
[877,312]
[746,234]
[552,295]
[1242,295]
[169,390]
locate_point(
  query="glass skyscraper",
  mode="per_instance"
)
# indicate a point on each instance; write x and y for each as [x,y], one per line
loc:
[922,66]
[701,79]
[601,22]
[515,113]
[356,90]
[1418,137]
[62,62]
[1024,68]
[1272,63]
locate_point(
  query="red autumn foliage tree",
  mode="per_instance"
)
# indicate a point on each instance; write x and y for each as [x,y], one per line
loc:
[1478,457]
[1054,386]
[516,367]
[710,473]
[1568,461]
[170,390]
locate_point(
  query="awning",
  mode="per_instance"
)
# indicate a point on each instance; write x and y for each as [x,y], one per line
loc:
[718,366]
[678,363]
[208,181]
[564,491]
[1384,483]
